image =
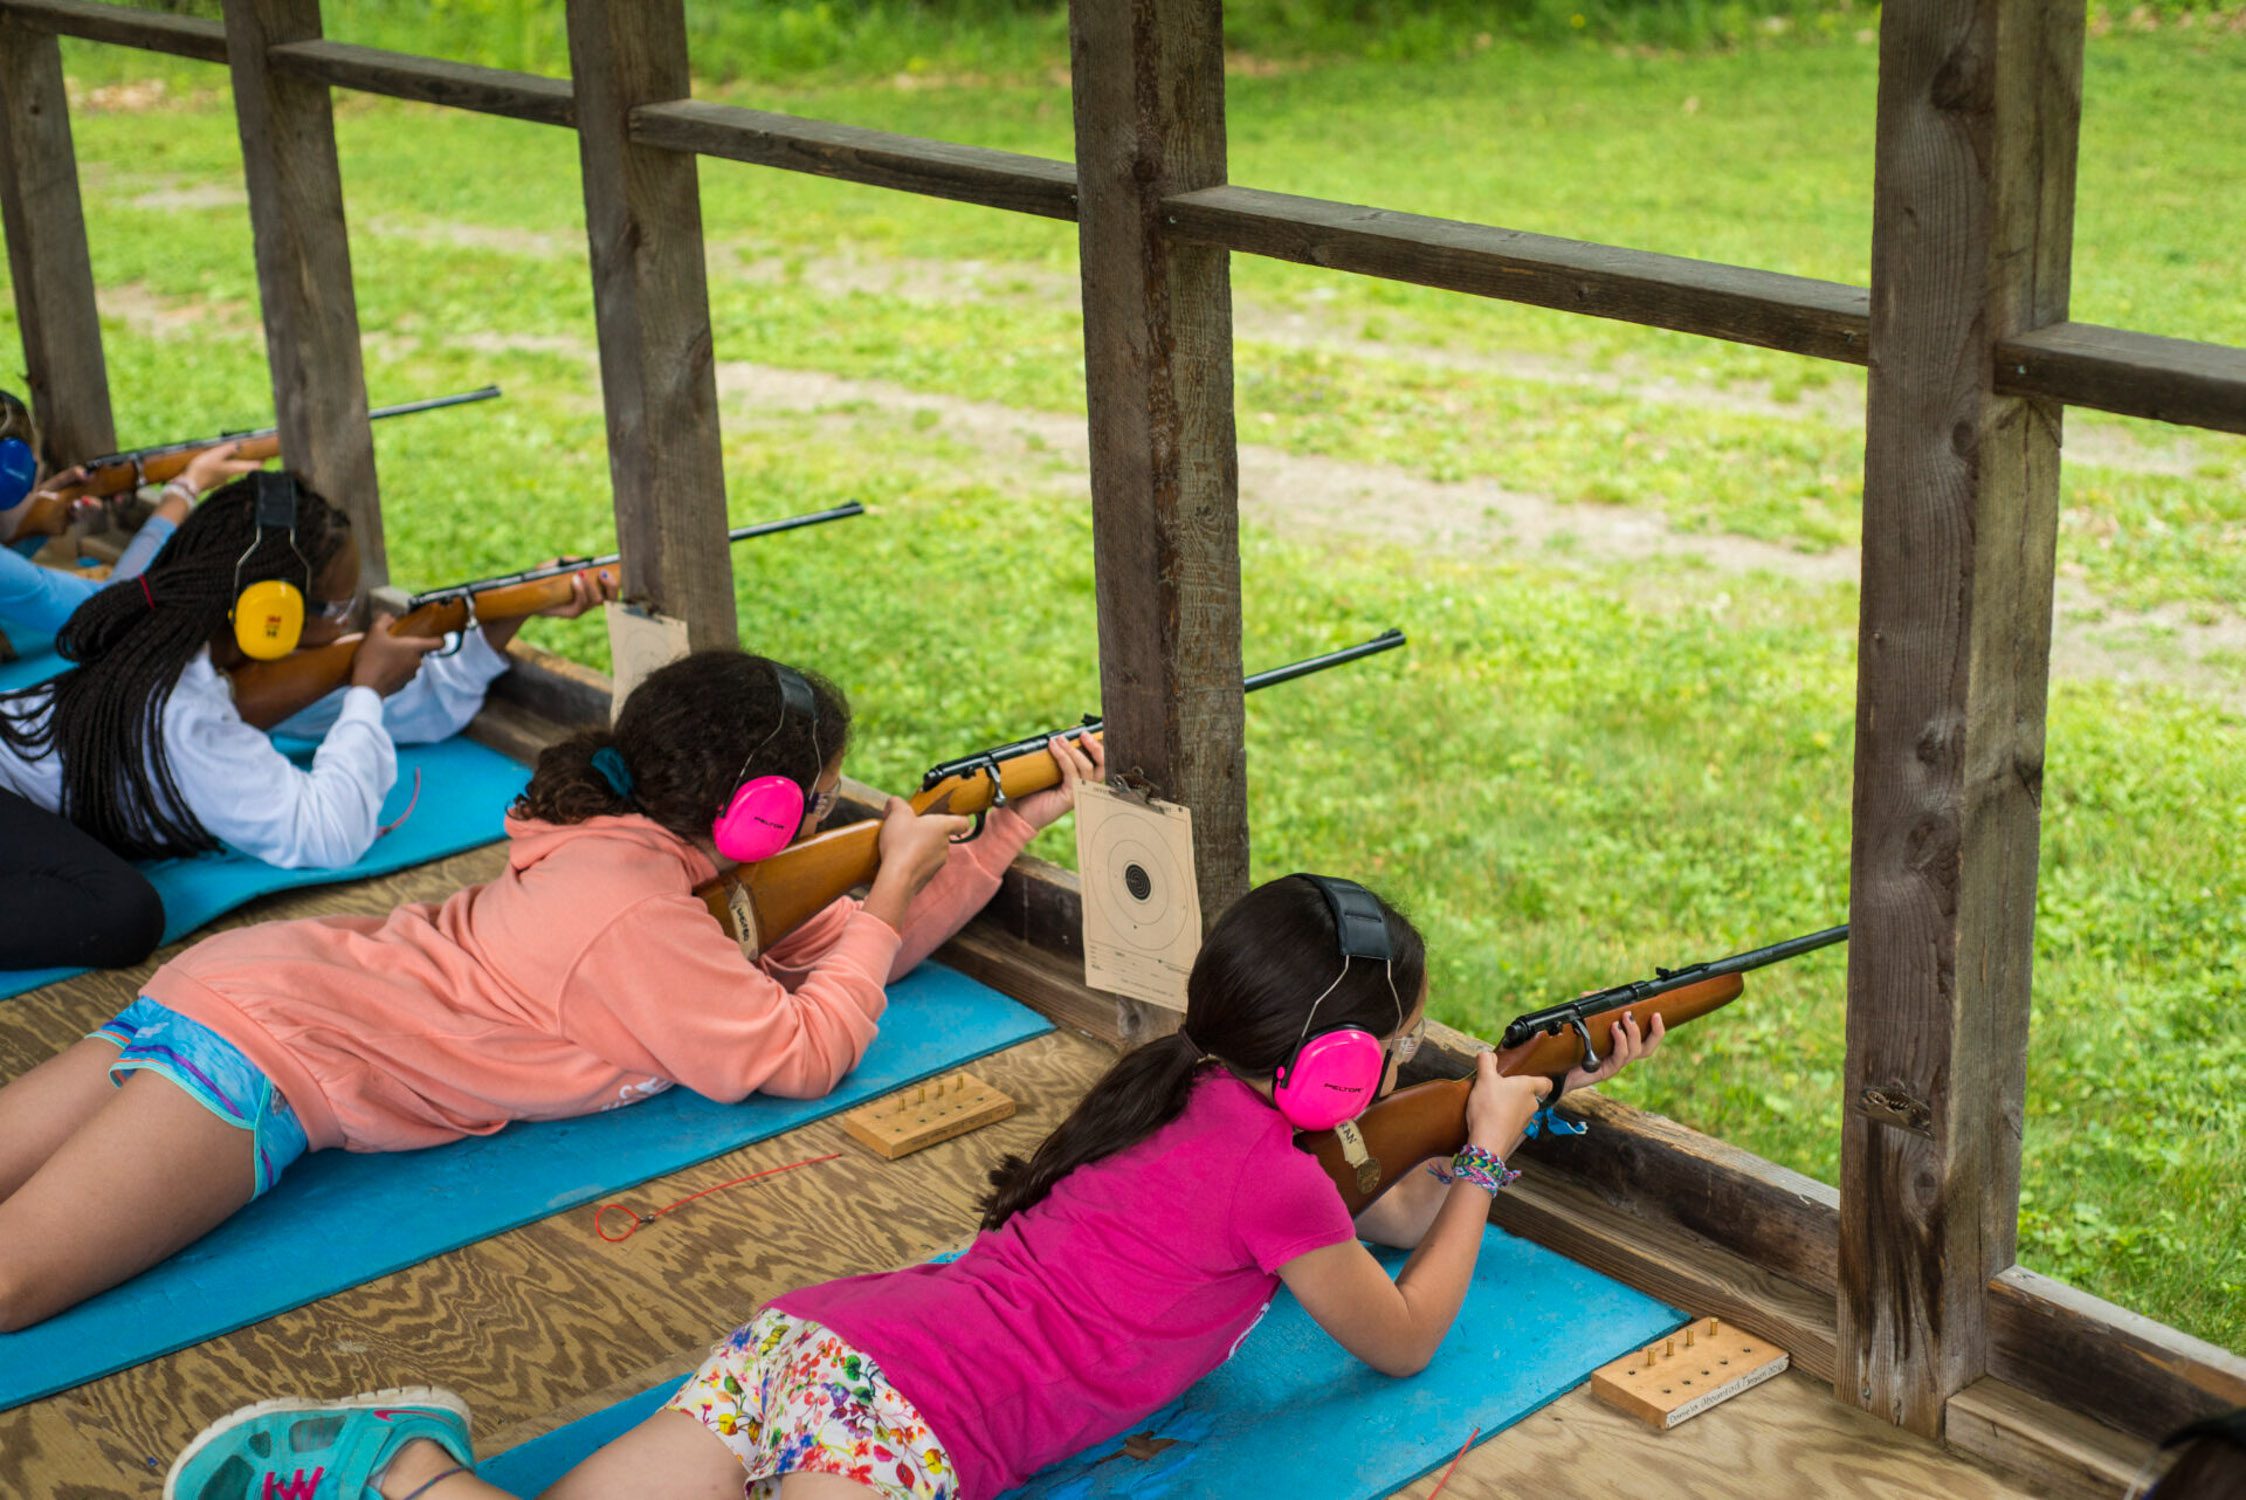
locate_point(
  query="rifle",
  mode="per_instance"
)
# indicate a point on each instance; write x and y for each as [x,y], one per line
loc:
[762,903]
[1367,1156]
[50,512]
[266,692]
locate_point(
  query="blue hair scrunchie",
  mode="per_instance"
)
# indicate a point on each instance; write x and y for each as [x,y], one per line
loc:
[613,770]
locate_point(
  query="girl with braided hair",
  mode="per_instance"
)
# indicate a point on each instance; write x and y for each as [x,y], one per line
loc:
[139,745]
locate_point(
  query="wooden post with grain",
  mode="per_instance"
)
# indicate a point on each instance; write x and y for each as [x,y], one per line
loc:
[49,264]
[287,127]
[1149,85]
[1973,208]
[651,306]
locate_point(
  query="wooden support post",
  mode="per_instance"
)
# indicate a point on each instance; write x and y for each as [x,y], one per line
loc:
[1158,372]
[304,268]
[651,306]
[1973,207]
[47,256]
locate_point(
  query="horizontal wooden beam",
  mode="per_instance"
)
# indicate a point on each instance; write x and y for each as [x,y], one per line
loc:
[430,80]
[1820,318]
[850,153]
[2135,374]
[181,36]
[2085,1353]
[2064,1454]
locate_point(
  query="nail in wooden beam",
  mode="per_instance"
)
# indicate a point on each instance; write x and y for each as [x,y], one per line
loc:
[1979,102]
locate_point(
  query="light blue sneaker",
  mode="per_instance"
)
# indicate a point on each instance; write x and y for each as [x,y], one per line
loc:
[294,1449]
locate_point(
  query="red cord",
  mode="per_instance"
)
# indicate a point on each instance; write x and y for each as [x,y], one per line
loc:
[642,1219]
[411,803]
[1446,1479]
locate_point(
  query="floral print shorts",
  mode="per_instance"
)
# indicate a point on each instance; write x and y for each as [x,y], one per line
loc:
[788,1397]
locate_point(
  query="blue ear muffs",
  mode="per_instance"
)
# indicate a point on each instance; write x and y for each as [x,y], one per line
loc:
[268,615]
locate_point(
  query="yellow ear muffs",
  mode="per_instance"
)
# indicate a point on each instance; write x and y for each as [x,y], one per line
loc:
[269,619]
[268,615]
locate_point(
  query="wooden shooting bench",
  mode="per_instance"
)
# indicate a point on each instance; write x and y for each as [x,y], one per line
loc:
[1925,1359]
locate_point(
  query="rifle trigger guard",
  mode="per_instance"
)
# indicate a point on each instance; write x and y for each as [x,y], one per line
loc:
[457,640]
[1583,1035]
[973,833]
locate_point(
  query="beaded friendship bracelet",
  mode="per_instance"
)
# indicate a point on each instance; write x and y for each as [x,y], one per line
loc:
[1482,1168]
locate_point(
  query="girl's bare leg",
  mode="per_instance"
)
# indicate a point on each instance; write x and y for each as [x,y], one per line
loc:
[149,1172]
[43,1108]
[669,1454]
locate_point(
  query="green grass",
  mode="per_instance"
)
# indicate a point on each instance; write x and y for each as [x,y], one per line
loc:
[1579,769]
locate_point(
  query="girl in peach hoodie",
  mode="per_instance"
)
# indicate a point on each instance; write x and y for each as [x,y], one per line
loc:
[586,977]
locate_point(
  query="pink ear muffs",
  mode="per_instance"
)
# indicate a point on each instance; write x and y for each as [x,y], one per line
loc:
[764,814]
[1331,1078]
[760,820]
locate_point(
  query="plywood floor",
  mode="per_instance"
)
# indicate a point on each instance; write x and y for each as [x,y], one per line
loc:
[542,1324]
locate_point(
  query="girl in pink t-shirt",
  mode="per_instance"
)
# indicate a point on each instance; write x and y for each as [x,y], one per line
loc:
[586,977]
[1118,1265]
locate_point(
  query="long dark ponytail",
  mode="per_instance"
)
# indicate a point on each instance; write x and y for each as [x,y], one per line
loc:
[131,641]
[679,743]
[1263,965]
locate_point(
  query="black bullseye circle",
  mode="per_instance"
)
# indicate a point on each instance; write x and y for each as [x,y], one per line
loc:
[1137,882]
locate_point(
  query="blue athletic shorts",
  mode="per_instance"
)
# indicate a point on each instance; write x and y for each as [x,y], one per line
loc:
[215,1075]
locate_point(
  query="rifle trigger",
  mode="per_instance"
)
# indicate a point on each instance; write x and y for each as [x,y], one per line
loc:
[1590,1053]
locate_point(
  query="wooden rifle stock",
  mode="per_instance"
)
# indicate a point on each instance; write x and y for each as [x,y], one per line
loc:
[122,473]
[762,903]
[47,513]
[266,692]
[1428,1120]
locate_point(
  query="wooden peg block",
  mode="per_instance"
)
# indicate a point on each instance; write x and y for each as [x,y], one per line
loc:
[1665,1382]
[909,1119]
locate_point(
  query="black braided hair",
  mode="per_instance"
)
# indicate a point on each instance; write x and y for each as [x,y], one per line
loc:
[130,642]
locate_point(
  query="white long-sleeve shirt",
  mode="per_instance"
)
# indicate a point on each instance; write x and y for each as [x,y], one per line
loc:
[253,798]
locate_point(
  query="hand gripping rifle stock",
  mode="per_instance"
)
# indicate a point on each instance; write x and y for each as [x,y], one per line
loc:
[762,903]
[1368,1156]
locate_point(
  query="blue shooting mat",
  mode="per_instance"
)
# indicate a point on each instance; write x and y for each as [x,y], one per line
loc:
[35,660]
[339,1218]
[1292,1413]
[465,790]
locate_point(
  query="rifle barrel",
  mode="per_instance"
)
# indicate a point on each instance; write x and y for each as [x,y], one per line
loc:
[556,570]
[1387,640]
[1557,1017]
[405,409]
